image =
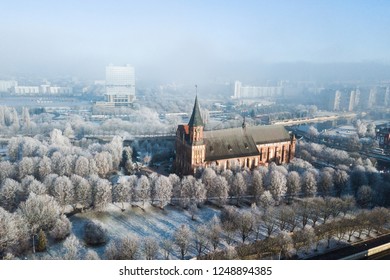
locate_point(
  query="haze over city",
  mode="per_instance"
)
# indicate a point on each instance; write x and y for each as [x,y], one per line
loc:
[197,40]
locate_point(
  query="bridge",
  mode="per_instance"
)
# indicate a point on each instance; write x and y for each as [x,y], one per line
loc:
[313,120]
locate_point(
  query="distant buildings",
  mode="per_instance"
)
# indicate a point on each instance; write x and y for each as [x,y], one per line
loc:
[242,92]
[12,87]
[120,86]
[227,148]
[7,85]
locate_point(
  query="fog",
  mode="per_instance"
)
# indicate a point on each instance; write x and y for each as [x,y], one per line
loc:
[202,41]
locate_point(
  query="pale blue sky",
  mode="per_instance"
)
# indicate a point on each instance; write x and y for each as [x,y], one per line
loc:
[80,37]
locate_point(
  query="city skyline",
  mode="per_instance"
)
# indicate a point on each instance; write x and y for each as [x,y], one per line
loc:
[193,40]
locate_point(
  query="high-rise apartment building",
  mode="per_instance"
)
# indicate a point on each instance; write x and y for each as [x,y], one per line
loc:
[120,86]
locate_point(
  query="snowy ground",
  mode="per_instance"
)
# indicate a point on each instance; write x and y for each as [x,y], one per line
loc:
[151,222]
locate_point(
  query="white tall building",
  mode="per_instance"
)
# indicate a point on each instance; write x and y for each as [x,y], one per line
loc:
[336,101]
[120,85]
[352,101]
[7,85]
[241,91]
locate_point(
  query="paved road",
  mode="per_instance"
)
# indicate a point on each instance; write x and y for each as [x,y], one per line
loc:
[353,249]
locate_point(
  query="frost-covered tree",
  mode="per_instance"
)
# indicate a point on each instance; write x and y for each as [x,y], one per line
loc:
[238,187]
[82,166]
[95,233]
[44,167]
[200,238]
[364,196]
[102,194]
[309,184]
[115,149]
[125,248]
[61,229]
[7,170]
[269,221]
[83,191]
[34,186]
[341,179]
[176,186]
[266,200]
[257,185]
[276,184]
[293,185]
[162,191]
[40,212]
[218,190]
[72,248]
[245,224]
[182,238]
[192,192]
[103,162]
[121,192]
[325,184]
[214,232]
[63,191]
[12,231]
[10,192]
[143,189]
[57,139]
[208,177]
[26,167]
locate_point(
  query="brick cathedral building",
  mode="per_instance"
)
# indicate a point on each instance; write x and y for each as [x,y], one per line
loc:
[244,146]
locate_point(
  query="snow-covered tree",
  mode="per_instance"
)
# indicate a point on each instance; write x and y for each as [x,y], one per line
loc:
[63,191]
[293,185]
[325,184]
[218,190]
[182,238]
[276,184]
[10,192]
[143,189]
[239,187]
[162,191]
[44,167]
[121,192]
[125,248]
[103,162]
[40,212]
[61,229]
[102,194]
[7,170]
[309,184]
[26,167]
[200,238]
[83,191]
[82,166]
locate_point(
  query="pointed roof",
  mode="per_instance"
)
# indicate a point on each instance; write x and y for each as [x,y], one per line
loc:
[196,118]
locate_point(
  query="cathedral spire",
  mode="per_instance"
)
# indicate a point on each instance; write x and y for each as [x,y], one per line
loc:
[196,118]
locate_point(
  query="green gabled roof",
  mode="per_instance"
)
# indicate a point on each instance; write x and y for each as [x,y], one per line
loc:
[196,118]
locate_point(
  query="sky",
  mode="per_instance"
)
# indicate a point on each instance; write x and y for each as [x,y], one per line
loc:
[189,39]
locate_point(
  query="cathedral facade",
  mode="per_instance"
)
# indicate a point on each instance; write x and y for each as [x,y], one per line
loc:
[244,146]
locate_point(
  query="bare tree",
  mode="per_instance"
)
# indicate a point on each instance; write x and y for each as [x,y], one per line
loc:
[200,238]
[214,232]
[269,221]
[150,248]
[166,246]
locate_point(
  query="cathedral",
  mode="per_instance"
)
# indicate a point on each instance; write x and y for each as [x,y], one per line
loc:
[243,146]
